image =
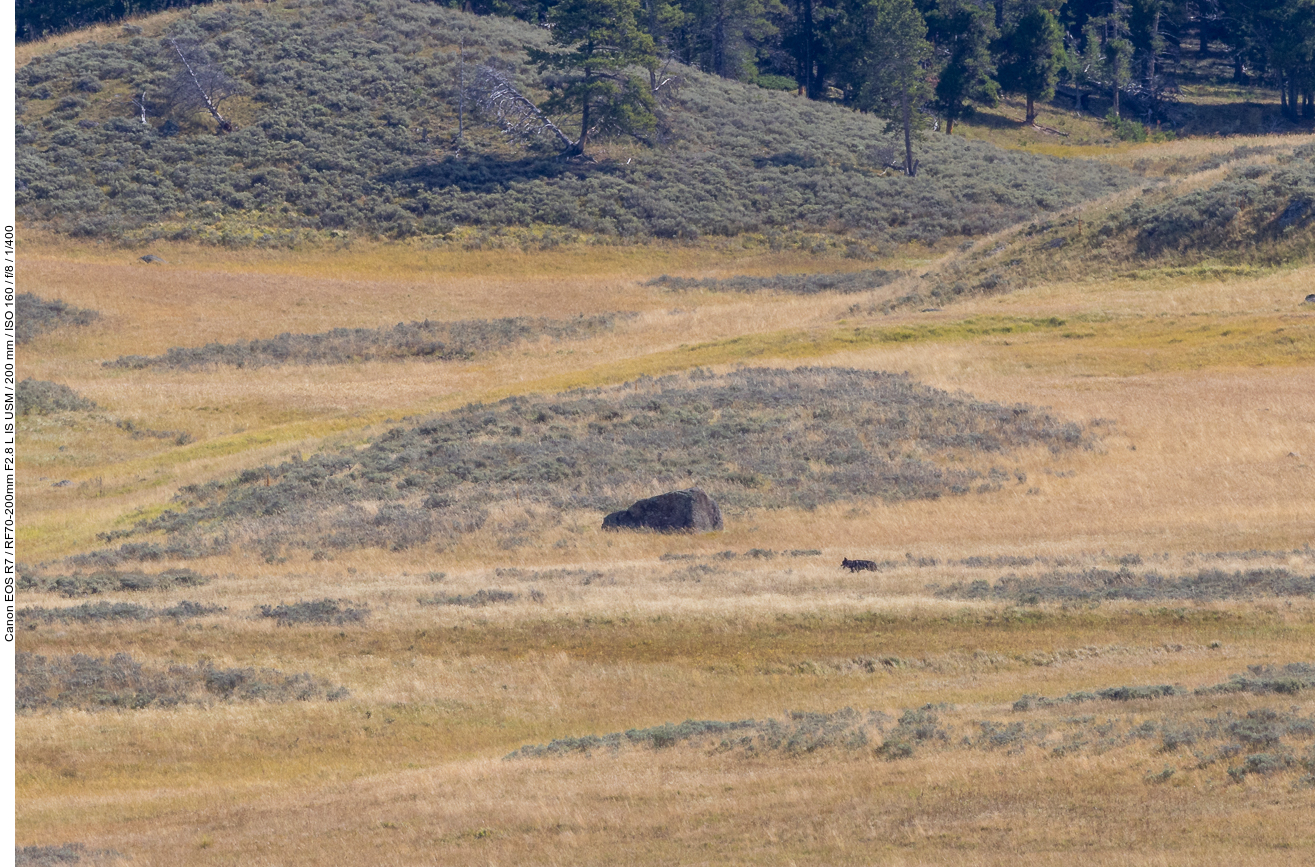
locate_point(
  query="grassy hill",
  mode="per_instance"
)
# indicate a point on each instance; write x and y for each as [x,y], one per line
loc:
[347,123]
[756,438]
[312,565]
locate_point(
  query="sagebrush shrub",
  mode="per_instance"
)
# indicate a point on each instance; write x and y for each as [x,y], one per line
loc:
[436,341]
[362,99]
[751,438]
[472,600]
[43,397]
[106,581]
[34,315]
[89,683]
[319,611]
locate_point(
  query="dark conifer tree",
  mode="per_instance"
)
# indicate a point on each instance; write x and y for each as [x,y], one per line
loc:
[961,33]
[882,52]
[601,43]
[1030,57]
[720,36]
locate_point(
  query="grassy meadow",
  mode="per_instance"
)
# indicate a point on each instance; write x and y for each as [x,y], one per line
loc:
[359,608]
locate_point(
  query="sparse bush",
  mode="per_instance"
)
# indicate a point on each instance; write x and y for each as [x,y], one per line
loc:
[99,612]
[435,341]
[1137,693]
[1261,764]
[34,316]
[182,547]
[1259,733]
[473,600]
[109,581]
[88,683]
[69,853]
[1162,777]
[1106,585]
[320,611]
[915,727]
[42,397]
[1174,739]
[1251,206]
[799,733]
[819,435]
[794,284]
[997,735]
[1288,680]
[1127,129]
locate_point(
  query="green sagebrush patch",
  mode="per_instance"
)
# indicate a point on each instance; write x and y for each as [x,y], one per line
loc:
[104,612]
[84,682]
[478,599]
[1263,738]
[1095,585]
[1289,679]
[108,581]
[34,316]
[751,438]
[800,732]
[67,853]
[350,116]
[1254,204]
[794,284]
[42,397]
[318,611]
[438,341]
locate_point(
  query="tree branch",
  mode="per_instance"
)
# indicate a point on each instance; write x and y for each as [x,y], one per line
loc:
[519,118]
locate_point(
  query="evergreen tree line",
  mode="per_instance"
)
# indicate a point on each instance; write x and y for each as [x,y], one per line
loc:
[971,51]
[910,61]
[968,51]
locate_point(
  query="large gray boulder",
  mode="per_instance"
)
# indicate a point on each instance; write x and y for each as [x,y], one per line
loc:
[689,511]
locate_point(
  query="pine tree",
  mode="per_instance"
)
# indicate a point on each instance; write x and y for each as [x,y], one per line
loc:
[1031,56]
[719,36]
[962,32]
[1108,57]
[1145,31]
[602,44]
[881,47]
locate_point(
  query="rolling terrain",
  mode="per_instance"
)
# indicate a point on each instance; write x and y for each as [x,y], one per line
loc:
[312,566]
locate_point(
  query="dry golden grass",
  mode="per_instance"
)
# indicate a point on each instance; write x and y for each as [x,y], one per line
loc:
[414,773]
[1203,375]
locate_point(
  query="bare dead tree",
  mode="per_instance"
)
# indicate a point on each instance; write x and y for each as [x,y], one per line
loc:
[660,83]
[886,156]
[140,102]
[461,95]
[199,83]
[497,96]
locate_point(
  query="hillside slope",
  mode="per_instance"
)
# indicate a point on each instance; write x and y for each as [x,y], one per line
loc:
[347,123]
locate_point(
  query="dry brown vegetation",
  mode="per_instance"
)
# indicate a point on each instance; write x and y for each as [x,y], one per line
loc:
[1081,661]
